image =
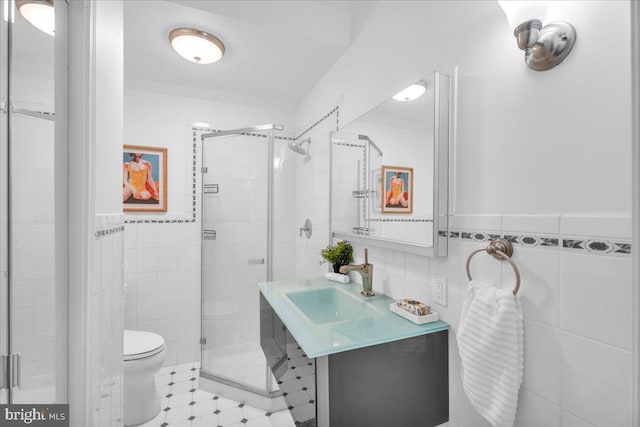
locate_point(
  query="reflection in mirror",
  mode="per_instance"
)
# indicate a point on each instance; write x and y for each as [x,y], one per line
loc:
[389,171]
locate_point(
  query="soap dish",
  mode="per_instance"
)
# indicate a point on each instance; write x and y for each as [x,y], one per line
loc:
[427,318]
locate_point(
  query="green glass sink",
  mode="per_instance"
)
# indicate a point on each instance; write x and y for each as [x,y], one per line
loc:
[330,305]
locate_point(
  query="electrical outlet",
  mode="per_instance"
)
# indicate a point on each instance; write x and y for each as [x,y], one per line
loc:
[440,291]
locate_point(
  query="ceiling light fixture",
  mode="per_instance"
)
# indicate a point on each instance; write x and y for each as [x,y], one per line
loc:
[196,46]
[544,46]
[411,93]
[39,13]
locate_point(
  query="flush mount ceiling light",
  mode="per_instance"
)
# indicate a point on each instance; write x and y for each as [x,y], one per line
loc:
[411,93]
[196,46]
[544,46]
[39,13]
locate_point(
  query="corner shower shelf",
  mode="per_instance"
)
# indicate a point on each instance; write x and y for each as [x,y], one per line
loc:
[364,194]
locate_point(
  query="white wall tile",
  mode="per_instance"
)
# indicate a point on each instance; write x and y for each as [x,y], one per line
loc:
[476,222]
[569,420]
[535,224]
[540,283]
[536,412]
[542,370]
[596,297]
[147,259]
[607,226]
[146,235]
[596,384]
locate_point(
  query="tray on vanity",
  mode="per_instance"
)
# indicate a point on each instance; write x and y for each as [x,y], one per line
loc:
[427,318]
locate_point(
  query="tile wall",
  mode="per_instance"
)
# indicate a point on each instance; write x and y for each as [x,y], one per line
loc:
[312,195]
[33,234]
[107,322]
[162,273]
[576,304]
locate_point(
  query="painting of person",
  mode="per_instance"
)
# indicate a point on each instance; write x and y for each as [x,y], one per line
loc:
[137,177]
[396,194]
[144,178]
[397,189]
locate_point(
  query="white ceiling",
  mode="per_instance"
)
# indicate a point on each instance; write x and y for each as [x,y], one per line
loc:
[275,50]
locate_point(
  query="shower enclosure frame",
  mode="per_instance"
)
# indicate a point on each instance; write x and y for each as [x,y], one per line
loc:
[253,130]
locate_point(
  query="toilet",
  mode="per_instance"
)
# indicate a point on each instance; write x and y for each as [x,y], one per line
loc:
[144,353]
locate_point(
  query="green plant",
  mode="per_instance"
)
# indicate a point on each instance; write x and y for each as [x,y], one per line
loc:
[340,253]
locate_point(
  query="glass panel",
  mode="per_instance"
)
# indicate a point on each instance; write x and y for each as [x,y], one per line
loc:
[4,313]
[32,264]
[236,259]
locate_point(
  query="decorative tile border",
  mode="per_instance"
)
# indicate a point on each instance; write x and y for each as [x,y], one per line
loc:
[597,246]
[600,246]
[109,231]
[196,130]
[335,110]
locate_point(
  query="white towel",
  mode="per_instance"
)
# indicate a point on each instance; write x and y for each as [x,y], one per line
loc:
[490,338]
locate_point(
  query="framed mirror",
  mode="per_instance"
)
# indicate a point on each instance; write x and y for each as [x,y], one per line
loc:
[389,171]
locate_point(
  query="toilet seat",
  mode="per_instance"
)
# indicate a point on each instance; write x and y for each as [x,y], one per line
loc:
[140,344]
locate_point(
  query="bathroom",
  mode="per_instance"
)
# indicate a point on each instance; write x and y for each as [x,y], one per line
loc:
[545,156]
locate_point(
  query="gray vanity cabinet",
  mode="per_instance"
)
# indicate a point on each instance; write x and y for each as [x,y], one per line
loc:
[403,383]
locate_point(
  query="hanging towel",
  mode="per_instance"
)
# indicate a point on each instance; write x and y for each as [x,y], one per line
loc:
[490,338]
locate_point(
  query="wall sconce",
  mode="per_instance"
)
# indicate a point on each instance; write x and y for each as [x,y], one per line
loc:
[544,46]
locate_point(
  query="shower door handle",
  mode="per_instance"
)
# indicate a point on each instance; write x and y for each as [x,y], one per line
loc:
[4,372]
[16,370]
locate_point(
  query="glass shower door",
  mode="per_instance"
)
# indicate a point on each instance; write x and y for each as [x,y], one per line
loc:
[235,251]
[4,247]
[33,325]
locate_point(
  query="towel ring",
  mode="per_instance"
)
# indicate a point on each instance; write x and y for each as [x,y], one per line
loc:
[501,250]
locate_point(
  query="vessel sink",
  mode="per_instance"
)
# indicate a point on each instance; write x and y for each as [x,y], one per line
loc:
[330,305]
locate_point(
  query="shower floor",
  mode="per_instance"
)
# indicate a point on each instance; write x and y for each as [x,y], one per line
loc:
[244,363]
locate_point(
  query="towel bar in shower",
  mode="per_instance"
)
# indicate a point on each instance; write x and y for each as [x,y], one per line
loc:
[501,250]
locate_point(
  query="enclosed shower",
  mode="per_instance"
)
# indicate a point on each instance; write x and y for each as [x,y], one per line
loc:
[247,233]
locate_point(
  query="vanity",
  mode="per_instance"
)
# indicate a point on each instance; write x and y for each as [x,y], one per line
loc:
[344,360]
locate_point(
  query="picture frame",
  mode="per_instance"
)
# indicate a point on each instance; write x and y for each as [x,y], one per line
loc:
[144,179]
[397,189]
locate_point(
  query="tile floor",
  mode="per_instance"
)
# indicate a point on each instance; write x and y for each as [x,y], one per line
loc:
[184,405]
[298,384]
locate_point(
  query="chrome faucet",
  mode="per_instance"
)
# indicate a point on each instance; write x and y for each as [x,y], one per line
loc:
[366,271]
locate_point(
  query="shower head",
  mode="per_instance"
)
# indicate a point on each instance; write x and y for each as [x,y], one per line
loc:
[298,148]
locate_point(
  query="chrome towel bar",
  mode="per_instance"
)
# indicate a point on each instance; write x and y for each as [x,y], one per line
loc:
[501,250]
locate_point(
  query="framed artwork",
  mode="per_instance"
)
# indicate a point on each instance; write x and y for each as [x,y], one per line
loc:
[397,189]
[144,179]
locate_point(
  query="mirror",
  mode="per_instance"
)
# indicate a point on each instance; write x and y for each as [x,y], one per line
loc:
[389,172]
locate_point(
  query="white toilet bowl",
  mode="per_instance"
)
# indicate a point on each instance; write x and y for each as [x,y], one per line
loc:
[144,353]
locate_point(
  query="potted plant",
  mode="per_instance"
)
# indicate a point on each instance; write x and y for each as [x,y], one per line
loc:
[338,255]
